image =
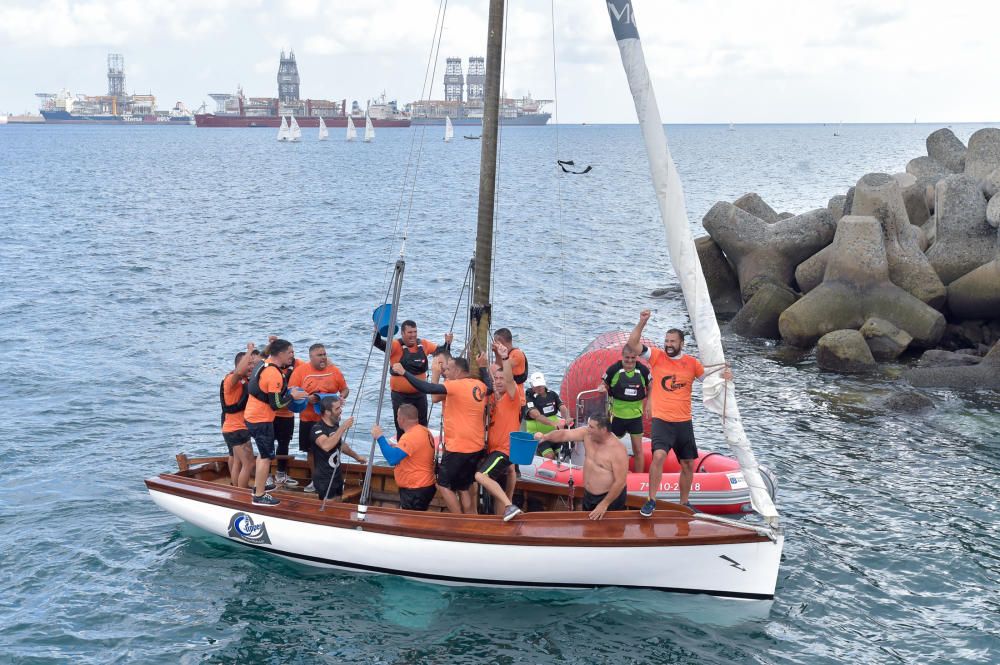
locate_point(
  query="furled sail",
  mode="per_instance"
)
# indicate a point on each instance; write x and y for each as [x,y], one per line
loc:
[719,395]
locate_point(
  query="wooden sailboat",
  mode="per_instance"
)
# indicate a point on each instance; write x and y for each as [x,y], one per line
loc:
[679,550]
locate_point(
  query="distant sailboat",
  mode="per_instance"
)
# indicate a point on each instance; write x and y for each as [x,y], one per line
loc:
[323,132]
[837,133]
[283,130]
[352,133]
[294,133]
[369,129]
[732,128]
[449,131]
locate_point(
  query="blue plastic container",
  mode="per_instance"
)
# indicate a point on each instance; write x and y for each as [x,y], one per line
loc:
[522,447]
[319,411]
[382,316]
[298,405]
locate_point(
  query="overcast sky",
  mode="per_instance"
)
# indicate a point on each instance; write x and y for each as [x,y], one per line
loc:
[711,60]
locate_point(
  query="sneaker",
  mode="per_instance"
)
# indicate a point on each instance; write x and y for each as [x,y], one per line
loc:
[687,504]
[309,488]
[270,484]
[511,512]
[286,480]
[265,500]
[648,508]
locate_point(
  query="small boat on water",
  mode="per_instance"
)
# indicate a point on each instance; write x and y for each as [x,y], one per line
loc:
[283,130]
[369,130]
[473,138]
[352,132]
[449,130]
[324,133]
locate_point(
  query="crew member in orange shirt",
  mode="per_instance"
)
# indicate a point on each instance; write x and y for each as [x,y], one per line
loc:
[412,353]
[496,474]
[673,373]
[412,459]
[284,426]
[316,377]
[518,361]
[464,415]
[233,393]
[269,393]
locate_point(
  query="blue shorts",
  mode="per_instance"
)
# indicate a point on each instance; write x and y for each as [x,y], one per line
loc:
[263,435]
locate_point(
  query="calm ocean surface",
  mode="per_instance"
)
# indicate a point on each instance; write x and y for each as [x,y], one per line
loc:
[136,261]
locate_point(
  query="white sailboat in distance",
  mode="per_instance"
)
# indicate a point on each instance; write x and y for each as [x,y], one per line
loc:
[352,133]
[449,131]
[369,129]
[283,130]
[294,133]
[323,131]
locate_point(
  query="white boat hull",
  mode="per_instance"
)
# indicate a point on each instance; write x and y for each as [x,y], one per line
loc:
[741,570]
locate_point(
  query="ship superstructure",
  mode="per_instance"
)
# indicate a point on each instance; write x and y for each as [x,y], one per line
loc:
[463,100]
[117,107]
[238,110]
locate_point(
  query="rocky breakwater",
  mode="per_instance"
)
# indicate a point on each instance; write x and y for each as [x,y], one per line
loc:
[899,264]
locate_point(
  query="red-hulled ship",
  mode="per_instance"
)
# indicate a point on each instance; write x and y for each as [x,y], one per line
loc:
[241,111]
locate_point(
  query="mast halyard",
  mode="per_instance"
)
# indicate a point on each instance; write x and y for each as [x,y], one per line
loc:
[480,310]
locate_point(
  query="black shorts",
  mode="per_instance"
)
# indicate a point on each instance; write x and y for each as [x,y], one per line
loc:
[457,471]
[678,436]
[283,428]
[621,426]
[417,498]
[590,501]
[305,435]
[263,436]
[237,438]
[495,466]
[334,483]
[549,447]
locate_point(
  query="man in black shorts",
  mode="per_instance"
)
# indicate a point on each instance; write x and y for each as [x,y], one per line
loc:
[626,383]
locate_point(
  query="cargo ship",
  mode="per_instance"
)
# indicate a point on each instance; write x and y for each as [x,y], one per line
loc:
[463,100]
[238,110]
[114,108]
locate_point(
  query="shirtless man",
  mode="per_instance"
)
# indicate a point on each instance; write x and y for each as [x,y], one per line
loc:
[604,467]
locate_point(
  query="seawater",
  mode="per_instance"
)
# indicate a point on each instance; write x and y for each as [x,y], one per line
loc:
[136,262]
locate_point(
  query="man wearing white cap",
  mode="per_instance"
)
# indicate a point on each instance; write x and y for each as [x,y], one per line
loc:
[544,413]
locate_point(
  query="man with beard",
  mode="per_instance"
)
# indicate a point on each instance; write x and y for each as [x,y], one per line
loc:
[233,394]
[316,377]
[673,373]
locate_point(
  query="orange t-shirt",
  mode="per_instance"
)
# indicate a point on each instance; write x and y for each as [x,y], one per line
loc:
[232,394]
[518,365]
[670,389]
[506,418]
[464,409]
[399,384]
[417,468]
[312,380]
[287,413]
[270,382]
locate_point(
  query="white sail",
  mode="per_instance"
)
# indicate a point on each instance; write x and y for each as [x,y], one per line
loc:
[449,131]
[294,133]
[719,395]
[369,129]
[283,130]
[323,132]
[352,133]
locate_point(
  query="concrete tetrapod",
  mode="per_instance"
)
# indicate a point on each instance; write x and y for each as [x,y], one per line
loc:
[984,374]
[947,149]
[765,252]
[723,288]
[983,154]
[879,195]
[855,288]
[964,240]
[756,206]
[977,294]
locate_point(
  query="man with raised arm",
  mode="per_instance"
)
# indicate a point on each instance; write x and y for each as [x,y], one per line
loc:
[673,373]
[411,352]
[464,413]
[518,361]
[269,393]
[605,464]
[411,459]
[233,394]
[496,474]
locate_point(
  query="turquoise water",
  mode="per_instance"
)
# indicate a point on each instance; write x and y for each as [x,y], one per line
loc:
[136,262]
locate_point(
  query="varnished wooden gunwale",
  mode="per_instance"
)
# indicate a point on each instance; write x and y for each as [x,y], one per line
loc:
[671,525]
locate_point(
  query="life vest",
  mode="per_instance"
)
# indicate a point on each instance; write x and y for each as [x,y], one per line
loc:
[414,362]
[626,388]
[253,386]
[239,405]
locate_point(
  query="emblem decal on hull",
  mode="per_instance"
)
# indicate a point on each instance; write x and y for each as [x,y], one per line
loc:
[243,527]
[732,562]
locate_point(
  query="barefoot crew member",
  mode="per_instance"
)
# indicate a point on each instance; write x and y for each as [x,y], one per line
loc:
[269,393]
[626,383]
[605,465]
[411,352]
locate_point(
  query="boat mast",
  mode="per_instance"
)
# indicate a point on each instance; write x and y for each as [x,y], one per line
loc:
[480,310]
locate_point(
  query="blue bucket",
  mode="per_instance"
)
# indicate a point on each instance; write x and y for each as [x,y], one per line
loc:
[522,447]
[382,316]
[319,400]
